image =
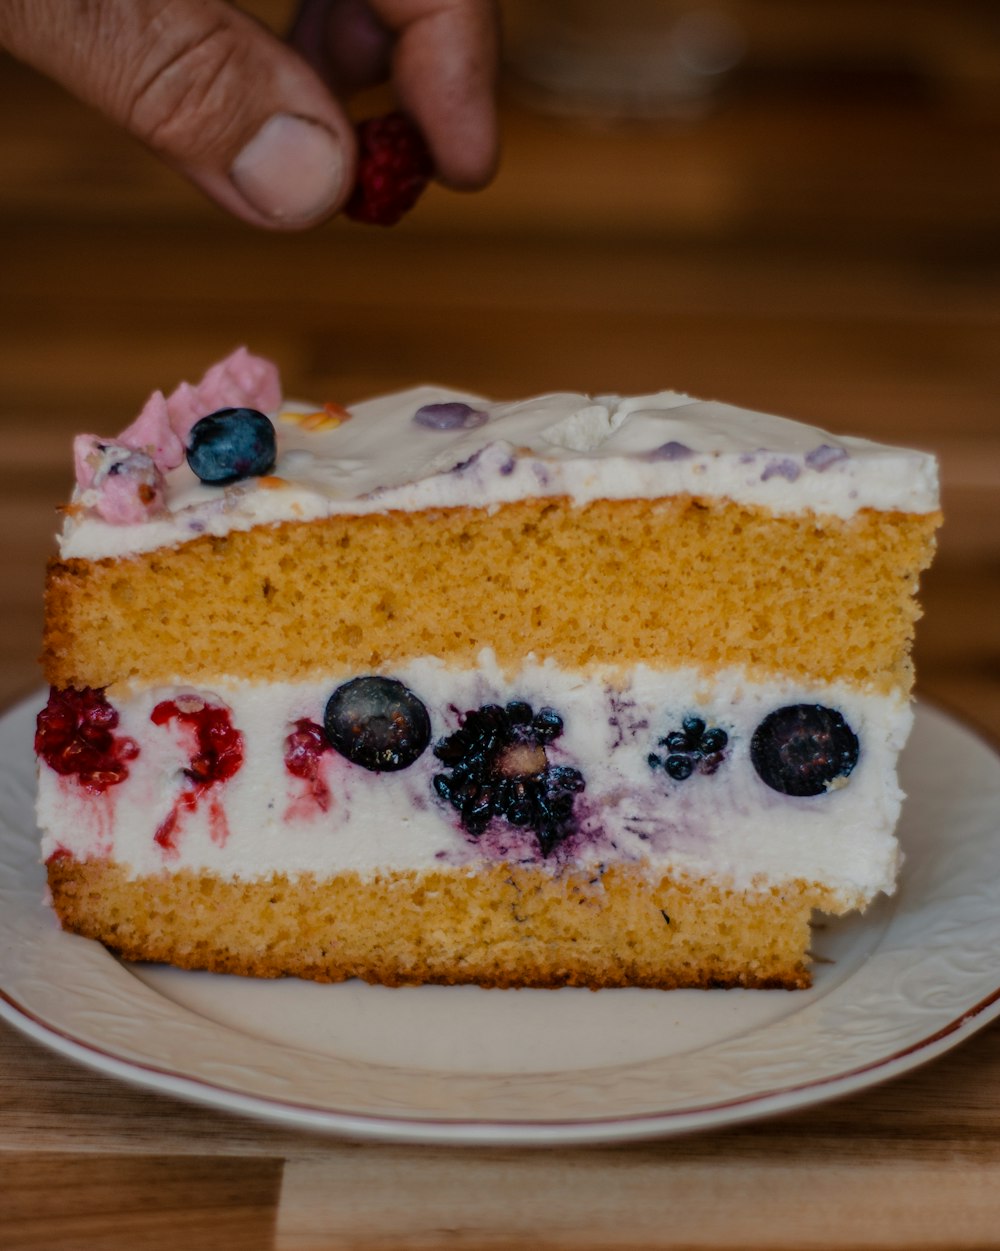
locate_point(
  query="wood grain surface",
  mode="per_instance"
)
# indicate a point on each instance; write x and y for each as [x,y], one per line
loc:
[823,250]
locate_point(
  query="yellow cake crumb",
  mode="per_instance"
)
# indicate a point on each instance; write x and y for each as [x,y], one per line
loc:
[506,925]
[669,582]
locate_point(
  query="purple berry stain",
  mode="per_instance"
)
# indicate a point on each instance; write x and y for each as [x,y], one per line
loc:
[822,457]
[786,469]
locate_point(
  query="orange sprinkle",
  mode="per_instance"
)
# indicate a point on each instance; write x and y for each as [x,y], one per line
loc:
[271,482]
[329,417]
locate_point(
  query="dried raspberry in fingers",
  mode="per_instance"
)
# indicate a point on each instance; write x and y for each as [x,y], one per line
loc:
[394,167]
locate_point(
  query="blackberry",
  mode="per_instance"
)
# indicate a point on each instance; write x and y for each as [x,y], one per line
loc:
[230,445]
[377,723]
[802,748]
[499,769]
[693,746]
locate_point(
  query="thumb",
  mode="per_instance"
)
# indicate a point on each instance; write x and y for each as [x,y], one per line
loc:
[208,89]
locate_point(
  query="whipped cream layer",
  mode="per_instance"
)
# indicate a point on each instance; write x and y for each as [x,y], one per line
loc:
[728,826]
[607,447]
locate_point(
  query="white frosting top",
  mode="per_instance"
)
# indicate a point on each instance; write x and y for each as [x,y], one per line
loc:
[565,444]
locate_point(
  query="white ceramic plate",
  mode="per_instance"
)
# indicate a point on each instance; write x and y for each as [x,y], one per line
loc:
[913,977]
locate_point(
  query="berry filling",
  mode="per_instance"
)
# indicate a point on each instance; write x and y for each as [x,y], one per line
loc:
[75,737]
[217,756]
[230,445]
[693,747]
[394,167]
[377,723]
[803,749]
[499,768]
[303,748]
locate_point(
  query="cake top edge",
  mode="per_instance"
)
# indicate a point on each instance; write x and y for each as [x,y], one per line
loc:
[433,446]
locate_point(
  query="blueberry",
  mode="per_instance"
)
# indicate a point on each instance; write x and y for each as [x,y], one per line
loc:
[377,723]
[230,445]
[802,748]
[451,415]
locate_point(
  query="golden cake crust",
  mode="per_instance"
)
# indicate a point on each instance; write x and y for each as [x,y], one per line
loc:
[503,926]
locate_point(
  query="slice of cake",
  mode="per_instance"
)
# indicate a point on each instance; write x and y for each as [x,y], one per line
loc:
[573,691]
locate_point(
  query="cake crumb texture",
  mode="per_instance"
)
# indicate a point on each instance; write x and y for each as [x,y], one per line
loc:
[674,582]
[504,926]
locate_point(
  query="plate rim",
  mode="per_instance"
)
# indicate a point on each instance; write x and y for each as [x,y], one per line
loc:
[402,1127]
[446,1131]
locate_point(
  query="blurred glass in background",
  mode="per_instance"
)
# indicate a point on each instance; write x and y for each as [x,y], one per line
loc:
[620,59]
[635,58]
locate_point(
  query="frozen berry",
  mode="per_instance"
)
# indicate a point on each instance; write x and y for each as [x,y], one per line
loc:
[452,415]
[499,768]
[692,747]
[75,737]
[394,167]
[216,755]
[803,748]
[230,445]
[304,746]
[377,723]
[218,745]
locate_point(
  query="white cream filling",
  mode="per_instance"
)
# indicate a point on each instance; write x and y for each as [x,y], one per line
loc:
[645,447]
[729,826]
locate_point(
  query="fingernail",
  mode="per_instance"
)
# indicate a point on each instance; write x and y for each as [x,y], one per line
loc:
[292,170]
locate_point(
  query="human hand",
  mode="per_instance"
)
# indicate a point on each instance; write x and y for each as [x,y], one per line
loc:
[255,122]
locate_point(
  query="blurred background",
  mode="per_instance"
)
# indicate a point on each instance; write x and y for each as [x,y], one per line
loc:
[785,205]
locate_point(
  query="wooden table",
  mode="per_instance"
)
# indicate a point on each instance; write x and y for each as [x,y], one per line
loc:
[830,256]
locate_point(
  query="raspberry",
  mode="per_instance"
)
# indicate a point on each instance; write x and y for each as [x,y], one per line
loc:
[219,746]
[303,748]
[394,167]
[217,756]
[74,736]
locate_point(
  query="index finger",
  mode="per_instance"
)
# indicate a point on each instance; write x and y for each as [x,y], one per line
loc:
[444,72]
